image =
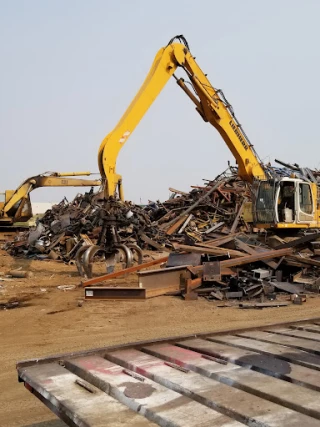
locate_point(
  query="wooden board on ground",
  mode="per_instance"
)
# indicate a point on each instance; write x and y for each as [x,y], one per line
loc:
[248,377]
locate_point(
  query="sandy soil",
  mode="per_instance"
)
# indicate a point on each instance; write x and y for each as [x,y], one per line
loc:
[50,321]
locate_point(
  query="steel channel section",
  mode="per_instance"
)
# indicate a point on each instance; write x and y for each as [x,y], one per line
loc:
[164,277]
[95,292]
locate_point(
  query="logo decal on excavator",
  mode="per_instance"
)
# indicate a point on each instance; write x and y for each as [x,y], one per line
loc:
[124,137]
[240,137]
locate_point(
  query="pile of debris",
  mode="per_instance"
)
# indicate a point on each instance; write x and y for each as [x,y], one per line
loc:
[238,267]
[185,218]
[197,215]
[213,249]
[68,226]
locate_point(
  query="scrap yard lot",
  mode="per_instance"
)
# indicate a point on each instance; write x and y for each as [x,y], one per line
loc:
[98,271]
[51,322]
[190,265]
[185,292]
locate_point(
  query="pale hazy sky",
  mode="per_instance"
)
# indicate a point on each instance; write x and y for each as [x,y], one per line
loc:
[69,69]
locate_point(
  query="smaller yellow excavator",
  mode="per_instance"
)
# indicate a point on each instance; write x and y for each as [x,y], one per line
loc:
[15,205]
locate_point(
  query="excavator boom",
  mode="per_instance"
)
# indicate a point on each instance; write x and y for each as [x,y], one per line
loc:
[17,204]
[210,104]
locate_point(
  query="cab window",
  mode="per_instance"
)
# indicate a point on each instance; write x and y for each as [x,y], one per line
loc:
[305,198]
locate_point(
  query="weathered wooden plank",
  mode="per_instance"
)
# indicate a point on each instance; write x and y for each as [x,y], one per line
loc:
[245,407]
[313,336]
[265,363]
[312,327]
[282,352]
[82,407]
[299,343]
[156,402]
[189,359]
[276,390]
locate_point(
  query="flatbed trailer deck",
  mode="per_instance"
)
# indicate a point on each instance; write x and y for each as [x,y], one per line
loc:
[268,376]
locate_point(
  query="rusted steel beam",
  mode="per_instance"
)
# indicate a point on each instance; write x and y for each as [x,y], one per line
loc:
[153,243]
[257,257]
[174,227]
[217,242]
[247,259]
[120,273]
[173,190]
[237,219]
[249,250]
[307,261]
[224,271]
[302,240]
[196,203]
[211,251]
[191,285]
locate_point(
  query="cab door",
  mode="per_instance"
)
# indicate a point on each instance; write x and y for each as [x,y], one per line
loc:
[304,203]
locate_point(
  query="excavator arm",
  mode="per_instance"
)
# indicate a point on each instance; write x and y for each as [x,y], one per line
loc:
[210,104]
[53,179]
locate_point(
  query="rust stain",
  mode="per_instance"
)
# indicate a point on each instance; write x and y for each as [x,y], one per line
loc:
[137,390]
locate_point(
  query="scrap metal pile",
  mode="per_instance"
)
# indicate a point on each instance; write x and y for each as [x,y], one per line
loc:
[90,220]
[237,266]
[212,250]
[65,228]
[244,267]
[197,215]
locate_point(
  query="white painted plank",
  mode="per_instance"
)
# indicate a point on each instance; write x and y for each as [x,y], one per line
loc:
[156,402]
[243,406]
[58,386]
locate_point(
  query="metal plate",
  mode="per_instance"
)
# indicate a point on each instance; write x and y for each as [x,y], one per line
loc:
[176,259]
[211,271]
[164,277]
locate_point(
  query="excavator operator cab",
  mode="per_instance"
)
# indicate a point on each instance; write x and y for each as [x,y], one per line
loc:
[285,202]
[294,202]
[20,212]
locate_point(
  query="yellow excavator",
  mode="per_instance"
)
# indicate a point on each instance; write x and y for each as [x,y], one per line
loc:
[283,199]
[16,204]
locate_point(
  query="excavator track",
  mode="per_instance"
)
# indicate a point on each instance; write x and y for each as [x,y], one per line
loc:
[268,376]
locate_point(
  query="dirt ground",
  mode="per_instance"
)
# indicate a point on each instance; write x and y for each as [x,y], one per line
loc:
[50,321]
